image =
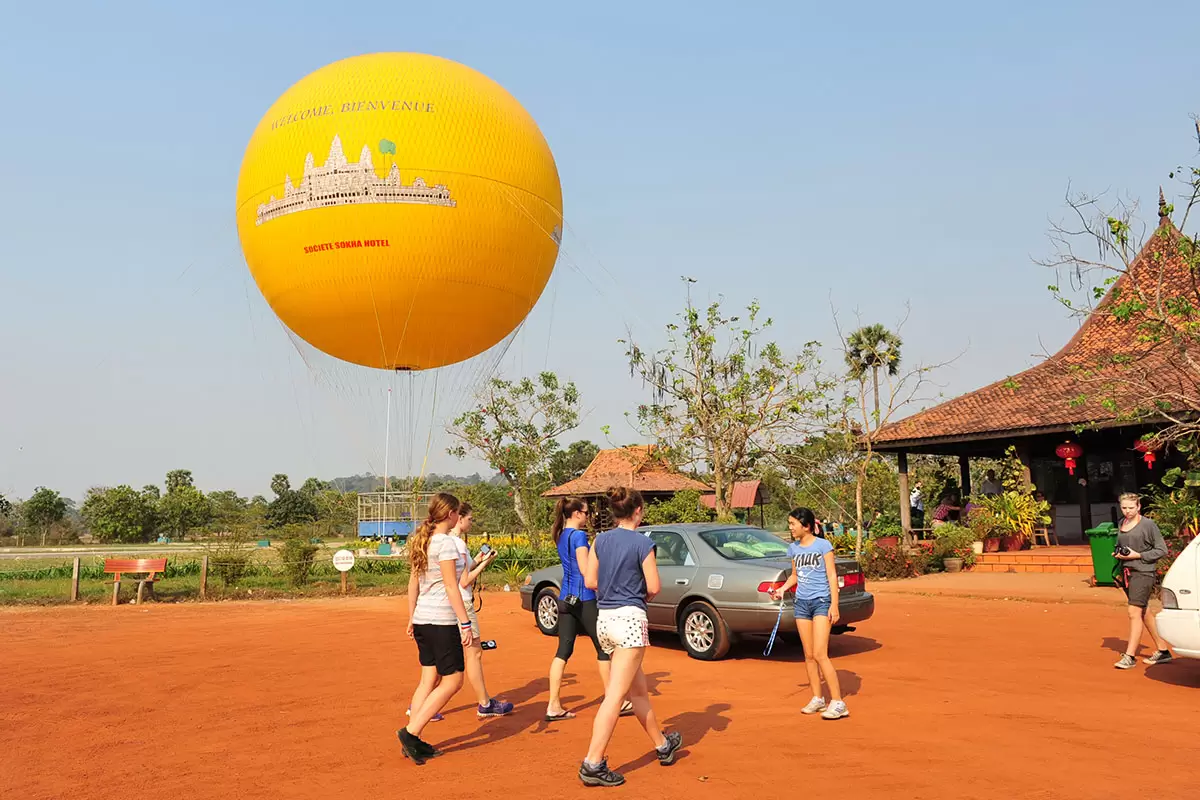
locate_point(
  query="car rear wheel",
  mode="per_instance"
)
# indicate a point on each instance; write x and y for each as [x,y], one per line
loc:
[545,611]
[703,632]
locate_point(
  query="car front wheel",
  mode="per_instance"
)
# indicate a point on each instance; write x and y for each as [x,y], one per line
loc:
[545,611]
[703,632]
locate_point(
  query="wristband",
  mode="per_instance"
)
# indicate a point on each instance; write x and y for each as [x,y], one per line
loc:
[464,625]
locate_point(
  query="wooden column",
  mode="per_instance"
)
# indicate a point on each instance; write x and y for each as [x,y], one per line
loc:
[75,580]
[1085,502]
[905,510]
[964,477]
[1023,455]
[203,577]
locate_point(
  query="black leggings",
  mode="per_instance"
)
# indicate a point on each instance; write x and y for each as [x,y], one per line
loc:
[573,620]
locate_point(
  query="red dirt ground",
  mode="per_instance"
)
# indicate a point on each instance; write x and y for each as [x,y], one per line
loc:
[950,698]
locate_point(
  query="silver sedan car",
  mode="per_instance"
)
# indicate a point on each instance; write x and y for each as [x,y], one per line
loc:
[715,580]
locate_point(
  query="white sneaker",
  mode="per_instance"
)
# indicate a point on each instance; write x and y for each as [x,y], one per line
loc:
[815,705]
[837,709]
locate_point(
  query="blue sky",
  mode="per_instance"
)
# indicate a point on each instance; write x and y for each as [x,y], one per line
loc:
[865,156]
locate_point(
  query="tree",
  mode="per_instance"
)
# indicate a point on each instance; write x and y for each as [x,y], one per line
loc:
[178,479]
[183,507]
[228,508]
[6,507]
[314,486]
[722,397]
[290,508]
[861,418]
[1153,299]
[870,349]
[337,511]
[119,514]
[515,428]
[822,474]
[280,484]
[43,509]
[569,464]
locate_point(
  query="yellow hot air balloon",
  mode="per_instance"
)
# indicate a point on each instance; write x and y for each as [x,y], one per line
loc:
[384,192]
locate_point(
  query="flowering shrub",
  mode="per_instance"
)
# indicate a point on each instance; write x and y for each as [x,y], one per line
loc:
[892,562]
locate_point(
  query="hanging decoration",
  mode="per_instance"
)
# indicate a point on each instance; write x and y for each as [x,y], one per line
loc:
[1144,447]
[1068,452]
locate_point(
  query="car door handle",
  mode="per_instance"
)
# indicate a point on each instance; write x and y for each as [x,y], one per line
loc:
[681,581]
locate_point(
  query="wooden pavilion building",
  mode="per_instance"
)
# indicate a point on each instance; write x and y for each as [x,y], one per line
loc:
[1042,408]
[637,467]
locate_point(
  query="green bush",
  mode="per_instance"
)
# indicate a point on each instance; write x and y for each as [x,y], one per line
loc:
[298,556]
[681,507]
[229,557]
[953,541]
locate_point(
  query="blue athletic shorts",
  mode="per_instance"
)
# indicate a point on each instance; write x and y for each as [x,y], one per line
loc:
[807,609]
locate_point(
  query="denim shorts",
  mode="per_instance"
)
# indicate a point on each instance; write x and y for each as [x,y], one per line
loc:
[807,609]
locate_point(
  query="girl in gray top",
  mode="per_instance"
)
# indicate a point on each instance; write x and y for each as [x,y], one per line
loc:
[1140,546]
[622,570]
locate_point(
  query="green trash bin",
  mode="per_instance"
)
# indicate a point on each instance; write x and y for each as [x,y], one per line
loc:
[1103,539]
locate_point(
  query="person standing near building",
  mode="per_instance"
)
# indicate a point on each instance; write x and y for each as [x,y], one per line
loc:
[622,570]
[916,507]
[990,487]
[1140,545]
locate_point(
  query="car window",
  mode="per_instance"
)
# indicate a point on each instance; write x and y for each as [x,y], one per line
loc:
[741,544]
[672,550]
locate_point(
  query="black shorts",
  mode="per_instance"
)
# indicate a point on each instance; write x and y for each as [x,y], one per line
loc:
[572,622]
[440,646]
[1140,588]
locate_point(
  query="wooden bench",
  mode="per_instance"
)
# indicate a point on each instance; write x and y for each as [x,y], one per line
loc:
[151,566]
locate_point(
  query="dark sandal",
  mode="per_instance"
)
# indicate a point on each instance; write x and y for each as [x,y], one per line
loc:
[558,717]
[627,709]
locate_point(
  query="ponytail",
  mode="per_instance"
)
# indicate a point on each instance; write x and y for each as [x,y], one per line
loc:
[441,506]
[564,509]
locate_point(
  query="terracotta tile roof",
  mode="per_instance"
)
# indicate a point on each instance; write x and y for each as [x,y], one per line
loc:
[744,495]
[1048,397]
[631,467]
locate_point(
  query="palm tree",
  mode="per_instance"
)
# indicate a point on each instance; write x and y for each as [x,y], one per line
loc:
[871,349]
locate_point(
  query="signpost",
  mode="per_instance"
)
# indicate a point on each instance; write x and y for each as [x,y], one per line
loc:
[343,562]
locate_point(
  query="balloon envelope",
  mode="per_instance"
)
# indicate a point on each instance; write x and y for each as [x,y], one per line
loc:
[399,211]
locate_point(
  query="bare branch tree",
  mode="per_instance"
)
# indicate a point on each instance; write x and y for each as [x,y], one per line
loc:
[1143,284]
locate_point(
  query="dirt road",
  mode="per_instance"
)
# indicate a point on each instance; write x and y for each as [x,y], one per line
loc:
[950,698]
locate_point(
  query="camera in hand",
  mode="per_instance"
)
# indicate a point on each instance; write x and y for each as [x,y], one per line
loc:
[1122,550]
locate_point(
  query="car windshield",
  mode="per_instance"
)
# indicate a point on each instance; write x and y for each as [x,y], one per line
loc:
[741,544]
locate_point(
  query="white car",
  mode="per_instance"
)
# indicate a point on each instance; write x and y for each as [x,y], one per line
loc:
[1179,621]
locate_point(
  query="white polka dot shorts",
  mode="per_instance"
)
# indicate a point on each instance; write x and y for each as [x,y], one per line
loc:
[622,627]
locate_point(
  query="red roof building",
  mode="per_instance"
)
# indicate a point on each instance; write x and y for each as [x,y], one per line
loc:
[743,495]
[635,467]
[1073,390]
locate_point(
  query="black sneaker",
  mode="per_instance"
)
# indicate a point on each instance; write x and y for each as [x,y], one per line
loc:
[412,747]
[666,753]
[1160,657]
[599,775]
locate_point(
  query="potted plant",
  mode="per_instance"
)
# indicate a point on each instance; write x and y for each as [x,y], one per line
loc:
[952,544]
[886,534]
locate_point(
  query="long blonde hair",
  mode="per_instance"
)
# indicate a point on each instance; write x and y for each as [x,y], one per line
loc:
[441,506]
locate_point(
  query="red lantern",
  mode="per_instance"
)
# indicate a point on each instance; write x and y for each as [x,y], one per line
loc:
[1143,447]
[1068,452]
